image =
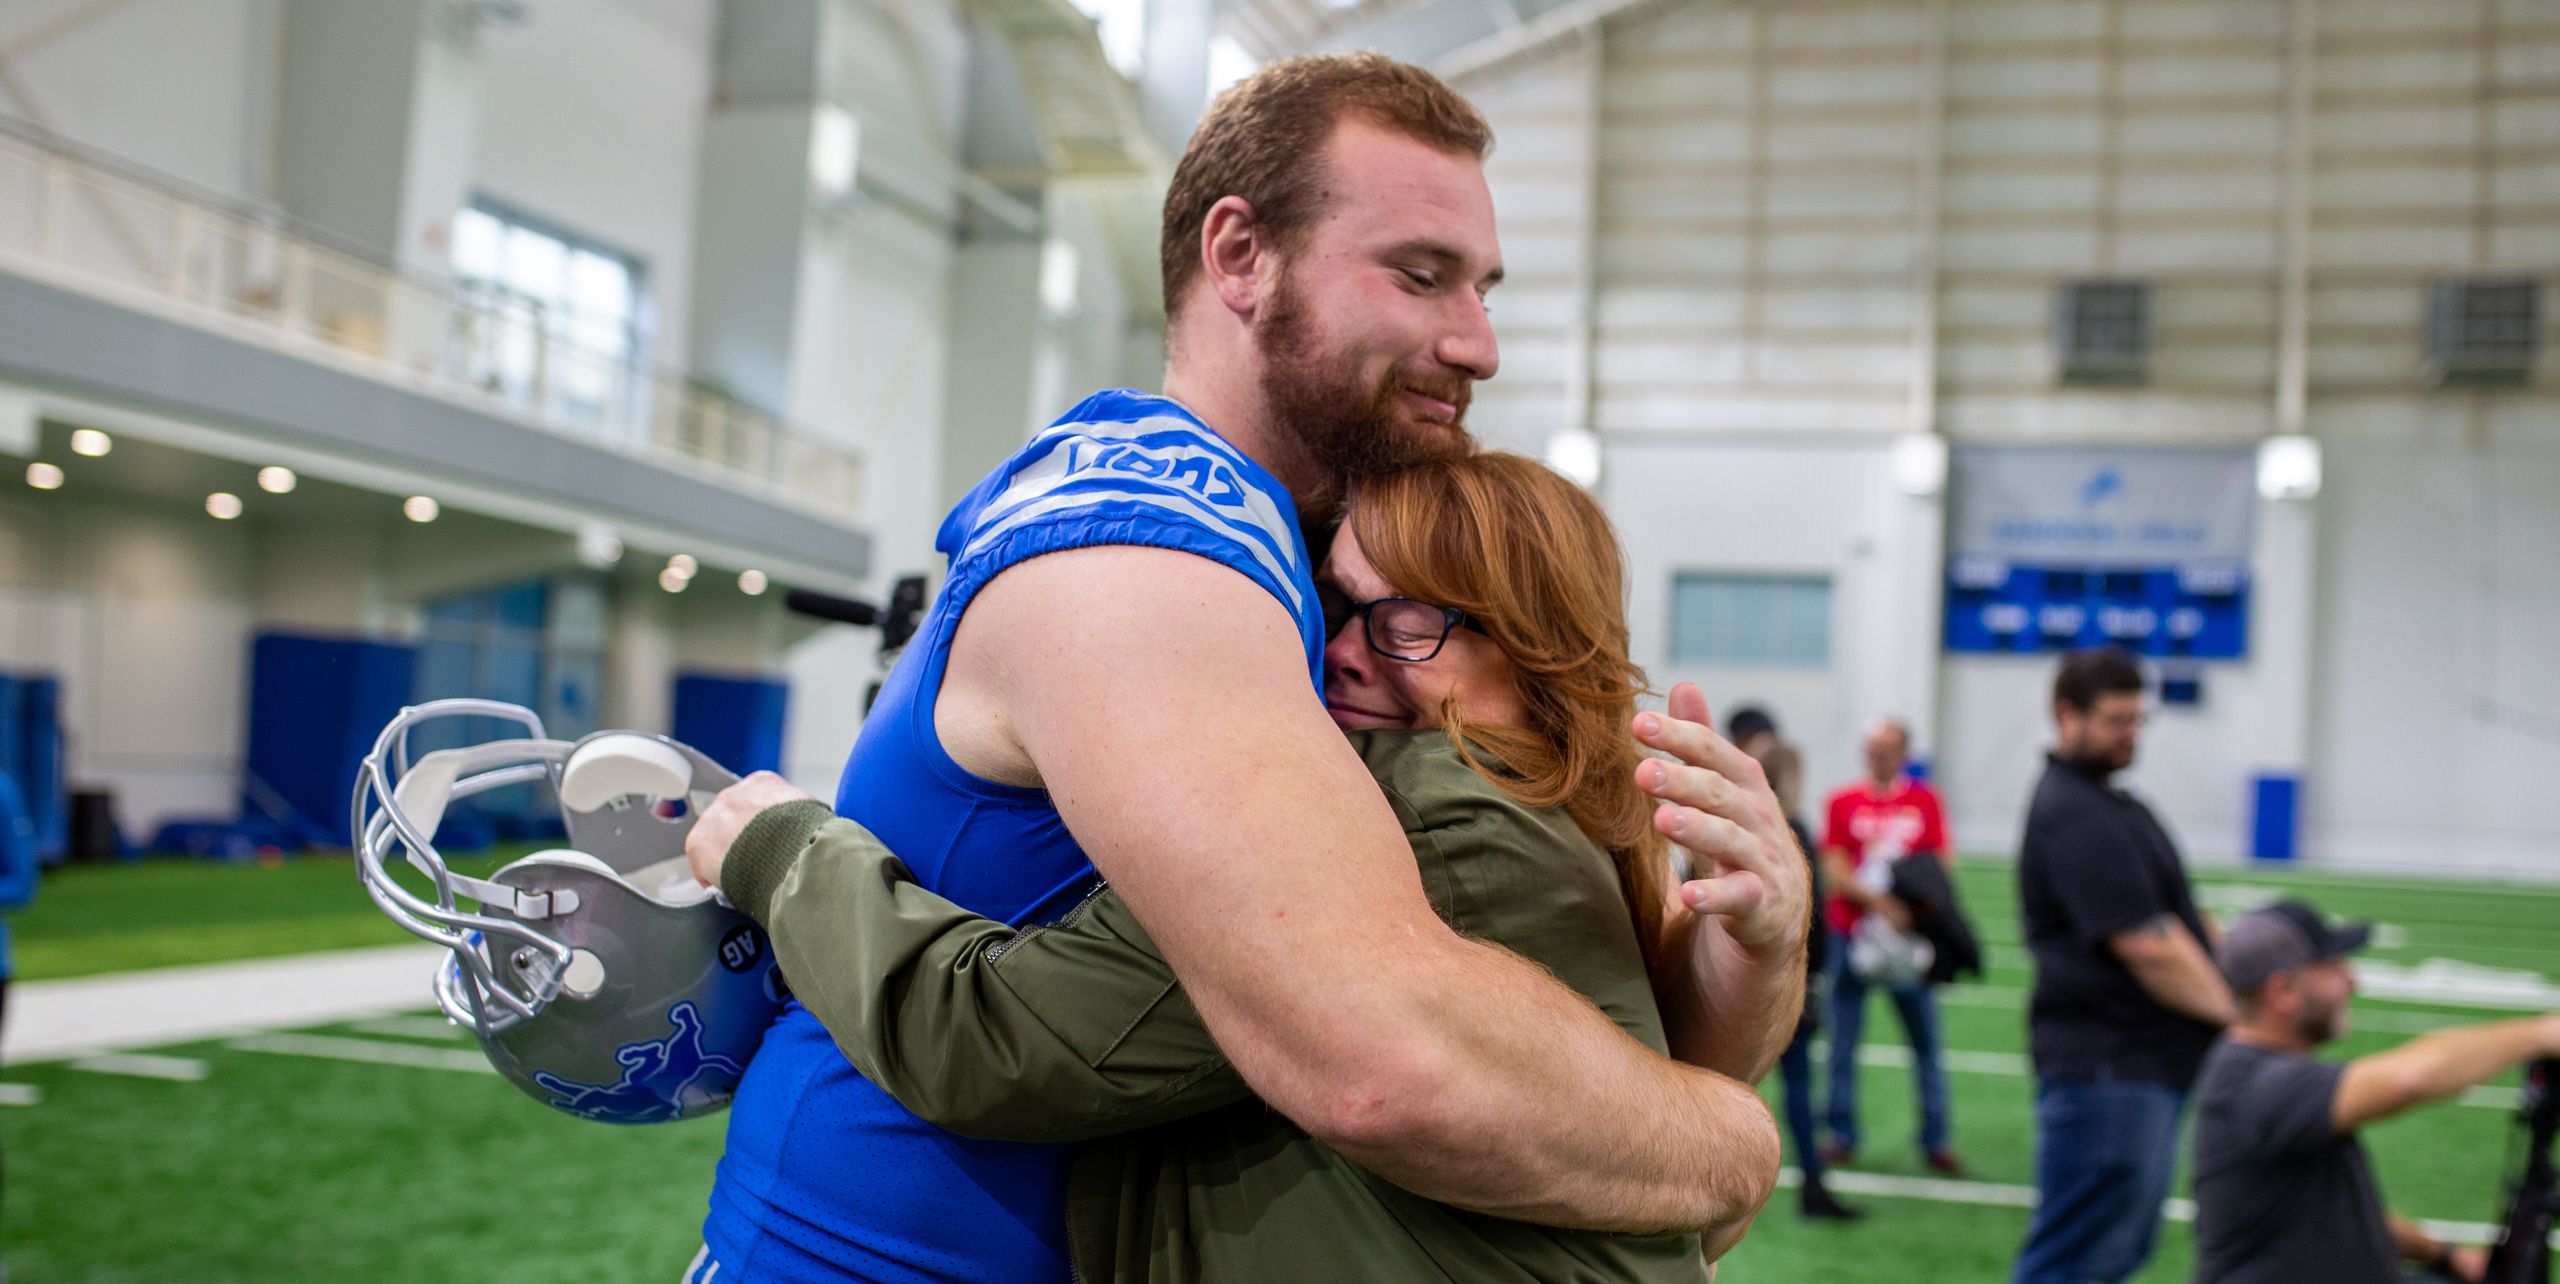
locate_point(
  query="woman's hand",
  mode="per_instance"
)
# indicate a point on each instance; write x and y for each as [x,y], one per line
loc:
[707,846]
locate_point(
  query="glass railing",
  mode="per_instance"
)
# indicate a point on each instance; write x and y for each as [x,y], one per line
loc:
[91,223]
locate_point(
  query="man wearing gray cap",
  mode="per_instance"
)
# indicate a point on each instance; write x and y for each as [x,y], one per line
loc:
[2283,1193]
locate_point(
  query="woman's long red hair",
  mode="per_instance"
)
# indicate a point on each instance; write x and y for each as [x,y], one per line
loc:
[1531,556]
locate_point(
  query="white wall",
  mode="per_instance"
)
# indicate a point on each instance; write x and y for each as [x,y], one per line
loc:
[591,115]
[1773,252]
[347,104]
[2439,707]
[144,612]
[182,86]
[874,332]
[1746,508]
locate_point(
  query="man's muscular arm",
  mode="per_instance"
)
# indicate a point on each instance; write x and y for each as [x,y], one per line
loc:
[1163,702]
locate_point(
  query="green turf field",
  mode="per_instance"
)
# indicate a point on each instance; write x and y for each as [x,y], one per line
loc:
[285,1166]
[90,919]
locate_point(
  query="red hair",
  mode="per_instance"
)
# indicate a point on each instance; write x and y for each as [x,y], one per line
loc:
[1530,555]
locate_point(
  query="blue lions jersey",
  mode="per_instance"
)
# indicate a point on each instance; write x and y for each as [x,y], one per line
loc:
[825,1176]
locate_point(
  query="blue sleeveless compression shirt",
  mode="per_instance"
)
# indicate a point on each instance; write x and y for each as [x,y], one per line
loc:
[825,1176]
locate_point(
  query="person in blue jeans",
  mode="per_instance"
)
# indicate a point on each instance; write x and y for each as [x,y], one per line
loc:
[1867,828]
[2127,998]
[1755,732]
[1917,1005]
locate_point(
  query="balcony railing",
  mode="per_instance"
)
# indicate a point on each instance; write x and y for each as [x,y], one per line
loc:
[91,223]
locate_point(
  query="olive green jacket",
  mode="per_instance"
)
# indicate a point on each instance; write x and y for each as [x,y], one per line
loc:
[1077,1031]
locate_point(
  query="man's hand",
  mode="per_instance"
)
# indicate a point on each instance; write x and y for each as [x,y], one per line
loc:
[1720,808]
[2469,1263]
[730,810]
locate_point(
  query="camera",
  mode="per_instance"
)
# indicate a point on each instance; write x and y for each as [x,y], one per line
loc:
[2523,1252]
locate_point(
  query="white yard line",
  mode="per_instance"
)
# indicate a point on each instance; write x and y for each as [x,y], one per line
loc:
[142,1065]
[1938,1190]
[370,1051]
[412,1027]
[20,1094]
[64,1020]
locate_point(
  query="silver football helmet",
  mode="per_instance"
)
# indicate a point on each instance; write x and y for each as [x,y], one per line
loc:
[601,979]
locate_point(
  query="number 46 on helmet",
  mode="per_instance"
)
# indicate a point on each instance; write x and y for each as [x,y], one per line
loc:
[601,978]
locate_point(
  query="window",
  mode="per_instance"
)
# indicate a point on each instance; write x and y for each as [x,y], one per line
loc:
[1121,26]
[540,644]
[549,320]
[1779,620]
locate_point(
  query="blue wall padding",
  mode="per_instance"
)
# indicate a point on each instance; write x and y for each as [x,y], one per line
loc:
[2275,802]
[17,864]
[39,770]
[736,722]
[13,740]
[315,707]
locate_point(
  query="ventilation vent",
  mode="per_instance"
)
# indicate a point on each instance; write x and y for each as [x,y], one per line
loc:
[2484,329]
[2102,331]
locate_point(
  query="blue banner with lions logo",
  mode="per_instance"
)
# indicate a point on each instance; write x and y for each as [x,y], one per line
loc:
[2051,547]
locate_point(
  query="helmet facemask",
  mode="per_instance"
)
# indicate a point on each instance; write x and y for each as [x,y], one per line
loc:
[602,979]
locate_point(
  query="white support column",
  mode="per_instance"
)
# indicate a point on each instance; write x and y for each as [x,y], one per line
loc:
[2284,575]
[1576,448]
[1915,557]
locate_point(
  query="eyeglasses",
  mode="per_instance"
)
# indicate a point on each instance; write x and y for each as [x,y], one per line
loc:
[1398,628]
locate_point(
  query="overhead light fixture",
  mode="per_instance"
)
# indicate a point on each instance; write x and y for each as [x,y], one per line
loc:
[44,476]
[835,149]
[683,565]
[276,480]
[598,546]
[2289,467]
[421,508]
[91,442]
[1920,464]
[1061,277]
[672,581]
[751,583]
[223,505]
[1575,452]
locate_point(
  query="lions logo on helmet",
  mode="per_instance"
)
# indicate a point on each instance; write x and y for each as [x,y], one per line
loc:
[659,1079]
[577,962]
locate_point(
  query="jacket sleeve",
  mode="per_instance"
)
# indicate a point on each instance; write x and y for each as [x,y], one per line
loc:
[1063,1032]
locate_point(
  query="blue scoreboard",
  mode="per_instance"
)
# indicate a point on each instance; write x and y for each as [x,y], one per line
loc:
[2052,547]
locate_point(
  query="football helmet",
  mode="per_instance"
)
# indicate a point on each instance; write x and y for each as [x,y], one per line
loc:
[601,978]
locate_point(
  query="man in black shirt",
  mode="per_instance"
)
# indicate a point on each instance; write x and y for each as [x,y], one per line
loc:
[2126,996]
[2283,1192]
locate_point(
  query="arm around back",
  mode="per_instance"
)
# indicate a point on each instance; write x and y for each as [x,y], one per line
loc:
[1176,730]
[1057,1033]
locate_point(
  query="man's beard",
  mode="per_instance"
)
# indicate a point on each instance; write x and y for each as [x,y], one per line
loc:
[2089,757]
[2320,1025]
[1344,431]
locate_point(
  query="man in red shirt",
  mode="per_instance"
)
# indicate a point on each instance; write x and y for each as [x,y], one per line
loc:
[1866,828]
